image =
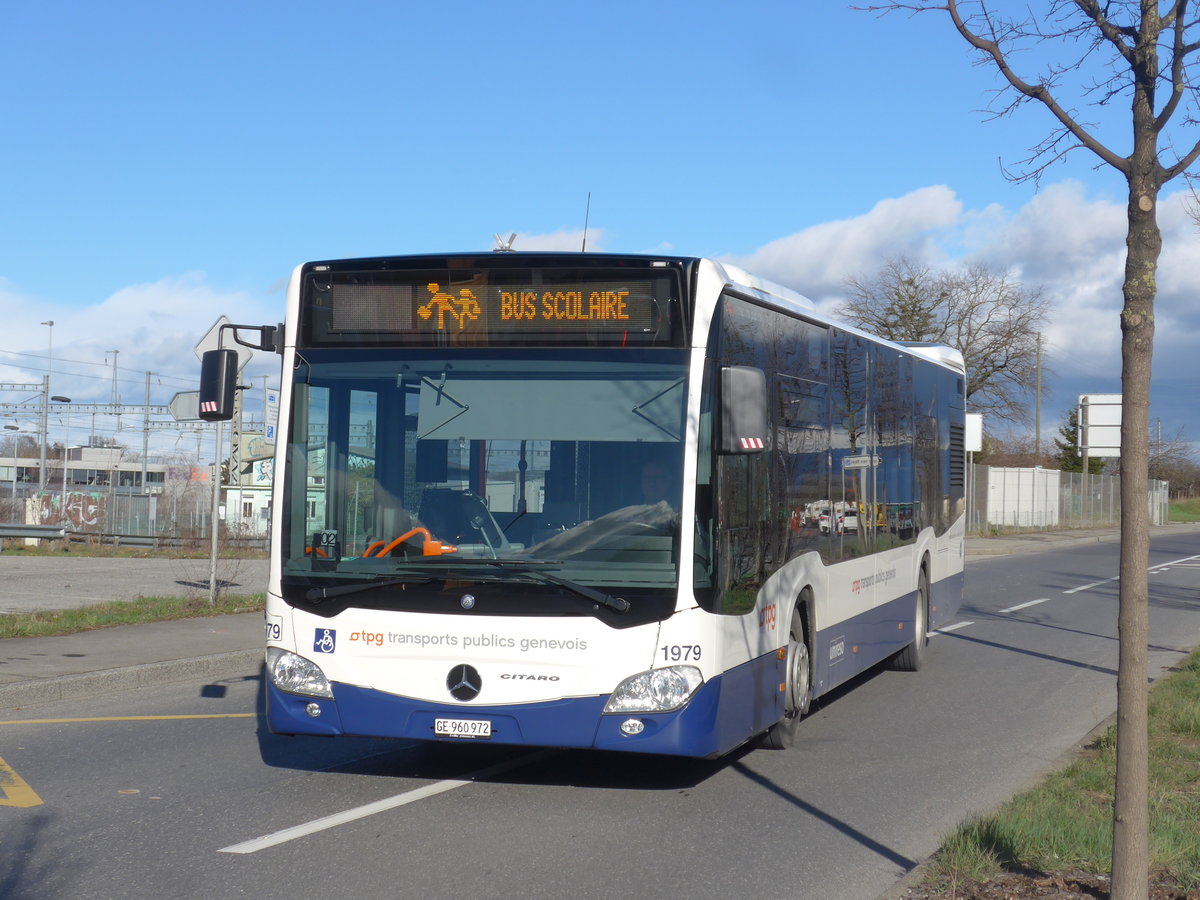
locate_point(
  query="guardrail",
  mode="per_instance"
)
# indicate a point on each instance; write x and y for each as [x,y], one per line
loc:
[164,541]
[19,530]
[154,542]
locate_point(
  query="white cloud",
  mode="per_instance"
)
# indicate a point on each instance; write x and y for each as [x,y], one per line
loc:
[565,240]
[1064,241]
[153,327]
[817,260]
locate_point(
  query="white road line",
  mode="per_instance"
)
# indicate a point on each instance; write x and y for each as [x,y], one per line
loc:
[1025,605]
[1088,587]
[949,628]
[1153,570]
[430,790]
[1190,562]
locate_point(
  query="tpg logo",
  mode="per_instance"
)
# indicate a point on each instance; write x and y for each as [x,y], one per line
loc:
[767,616]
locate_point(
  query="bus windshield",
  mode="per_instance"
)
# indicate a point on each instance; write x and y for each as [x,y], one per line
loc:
[461,465]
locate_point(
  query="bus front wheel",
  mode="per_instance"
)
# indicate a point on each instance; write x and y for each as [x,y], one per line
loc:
[798,694]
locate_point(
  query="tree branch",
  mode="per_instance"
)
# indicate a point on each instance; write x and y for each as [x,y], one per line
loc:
[1040,91]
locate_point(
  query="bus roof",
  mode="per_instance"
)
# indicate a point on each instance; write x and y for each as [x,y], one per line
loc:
[770,292]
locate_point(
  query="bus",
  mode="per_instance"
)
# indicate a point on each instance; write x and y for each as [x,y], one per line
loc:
[651,504]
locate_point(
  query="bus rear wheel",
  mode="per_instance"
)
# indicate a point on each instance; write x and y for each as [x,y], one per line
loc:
[910,658]
[798,694]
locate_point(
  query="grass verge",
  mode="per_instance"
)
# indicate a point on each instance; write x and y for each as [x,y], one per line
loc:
[1185,511]
[1065,824]
[132,612]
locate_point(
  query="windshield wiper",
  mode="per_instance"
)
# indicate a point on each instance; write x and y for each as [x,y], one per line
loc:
[619,604]
[522,567]
[317,594]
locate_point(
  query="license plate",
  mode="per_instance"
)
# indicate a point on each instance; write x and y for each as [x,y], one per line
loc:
[462,728]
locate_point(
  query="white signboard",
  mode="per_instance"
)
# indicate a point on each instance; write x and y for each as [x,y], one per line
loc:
[859,462]
[1100,424]
[973,433]
[185,406]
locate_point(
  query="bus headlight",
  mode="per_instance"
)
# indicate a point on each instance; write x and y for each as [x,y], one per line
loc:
[296,675]
[659,690]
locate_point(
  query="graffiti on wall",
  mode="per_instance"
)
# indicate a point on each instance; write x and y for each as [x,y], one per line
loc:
[83,510]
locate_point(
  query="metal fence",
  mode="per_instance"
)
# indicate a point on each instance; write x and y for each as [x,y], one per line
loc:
[177,515]
[998,499]
[1013,499]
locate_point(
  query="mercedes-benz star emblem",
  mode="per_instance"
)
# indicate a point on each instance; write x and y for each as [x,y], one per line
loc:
[464,682]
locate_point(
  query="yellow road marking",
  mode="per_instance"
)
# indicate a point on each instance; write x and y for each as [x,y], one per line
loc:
[13,789]
[129,719]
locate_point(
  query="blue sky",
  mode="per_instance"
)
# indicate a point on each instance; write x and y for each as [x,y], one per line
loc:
[168,163]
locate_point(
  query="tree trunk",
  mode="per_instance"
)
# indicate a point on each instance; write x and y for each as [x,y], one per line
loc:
[1131,855]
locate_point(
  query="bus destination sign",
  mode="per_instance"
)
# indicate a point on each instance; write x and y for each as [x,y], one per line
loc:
[518,307]
[475,310]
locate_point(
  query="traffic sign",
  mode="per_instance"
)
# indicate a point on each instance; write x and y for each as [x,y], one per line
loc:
[1099,417]
[185,406]
[860,462]
[212,341]
[272,415]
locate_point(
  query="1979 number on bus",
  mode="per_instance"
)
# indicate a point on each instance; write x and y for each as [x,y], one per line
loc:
[681,652]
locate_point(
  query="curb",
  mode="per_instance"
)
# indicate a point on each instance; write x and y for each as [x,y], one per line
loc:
[106,681]
[1011,545]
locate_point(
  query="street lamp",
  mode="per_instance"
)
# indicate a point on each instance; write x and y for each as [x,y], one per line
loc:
[45,429]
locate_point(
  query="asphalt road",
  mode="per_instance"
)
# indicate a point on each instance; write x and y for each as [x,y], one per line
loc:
[134,803]
[35,583]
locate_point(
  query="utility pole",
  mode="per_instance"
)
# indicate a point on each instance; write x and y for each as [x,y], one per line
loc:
[116,397]
[1037,404]
[45,425]
[46,405]
[146,445]
[235,440]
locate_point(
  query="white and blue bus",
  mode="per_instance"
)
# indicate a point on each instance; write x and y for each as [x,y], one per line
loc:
[649,504]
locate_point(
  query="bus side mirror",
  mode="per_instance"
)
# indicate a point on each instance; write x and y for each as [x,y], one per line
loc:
[218,381]
[743,427]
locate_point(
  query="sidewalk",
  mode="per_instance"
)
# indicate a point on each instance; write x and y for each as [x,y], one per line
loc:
[127,657]
[90,663]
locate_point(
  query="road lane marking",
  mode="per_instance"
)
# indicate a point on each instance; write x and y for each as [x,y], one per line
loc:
[129,719]
[1025,605]
[1088,587]
[1152,569]
[14,790]
[1188,563]
[361,812]
[949,628]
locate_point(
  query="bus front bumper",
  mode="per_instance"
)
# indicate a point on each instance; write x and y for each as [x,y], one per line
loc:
[717,719]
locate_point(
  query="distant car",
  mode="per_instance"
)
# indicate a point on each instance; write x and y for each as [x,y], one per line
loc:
[829,522]
[849,522]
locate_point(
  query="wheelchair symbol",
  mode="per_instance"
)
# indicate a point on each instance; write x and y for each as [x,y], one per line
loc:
[325,640]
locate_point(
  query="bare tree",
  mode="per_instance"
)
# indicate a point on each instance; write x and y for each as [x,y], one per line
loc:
[1012,449]
[1141,52]
[992,319]
[1173,459]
